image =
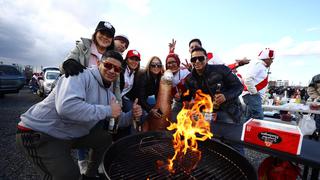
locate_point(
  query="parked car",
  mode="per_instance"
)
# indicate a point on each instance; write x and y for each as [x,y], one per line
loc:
[44,69]
[46,82]
[11,80]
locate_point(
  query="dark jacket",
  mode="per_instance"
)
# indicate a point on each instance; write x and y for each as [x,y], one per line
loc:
[133,93]
[231,87]
[147,85]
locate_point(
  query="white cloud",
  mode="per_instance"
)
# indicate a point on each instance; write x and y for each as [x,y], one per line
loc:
[313,29]
[302,49]
[141,7]
[286,46]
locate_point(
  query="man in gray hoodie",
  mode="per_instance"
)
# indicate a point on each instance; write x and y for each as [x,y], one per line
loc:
[74,115]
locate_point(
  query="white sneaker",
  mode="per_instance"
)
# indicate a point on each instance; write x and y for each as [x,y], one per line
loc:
[83,166]
[100,169]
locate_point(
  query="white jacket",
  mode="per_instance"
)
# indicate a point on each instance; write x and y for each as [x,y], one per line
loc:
[257,74]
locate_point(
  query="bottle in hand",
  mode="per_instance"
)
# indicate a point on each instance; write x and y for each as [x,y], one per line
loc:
[113,126]
[216,106]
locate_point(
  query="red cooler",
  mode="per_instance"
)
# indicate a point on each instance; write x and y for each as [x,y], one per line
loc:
[275,135]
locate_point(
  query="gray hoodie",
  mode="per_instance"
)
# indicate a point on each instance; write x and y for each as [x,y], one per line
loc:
[74,106]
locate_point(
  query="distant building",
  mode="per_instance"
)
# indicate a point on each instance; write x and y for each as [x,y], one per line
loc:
[279,83]
[272,83]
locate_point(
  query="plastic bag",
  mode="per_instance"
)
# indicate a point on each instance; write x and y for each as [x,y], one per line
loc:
[307,125]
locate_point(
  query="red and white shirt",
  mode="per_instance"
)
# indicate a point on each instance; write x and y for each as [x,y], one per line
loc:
[256,80]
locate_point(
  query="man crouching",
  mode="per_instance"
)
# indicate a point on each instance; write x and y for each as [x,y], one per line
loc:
[74,115]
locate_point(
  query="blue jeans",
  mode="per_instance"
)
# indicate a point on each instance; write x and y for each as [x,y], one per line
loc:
[126,104]
[317,119]
[82,154]
[253,106]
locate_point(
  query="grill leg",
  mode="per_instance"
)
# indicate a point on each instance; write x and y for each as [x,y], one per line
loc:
[305,172]
[315,173]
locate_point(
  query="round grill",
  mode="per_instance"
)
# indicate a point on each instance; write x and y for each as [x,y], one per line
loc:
[138,157]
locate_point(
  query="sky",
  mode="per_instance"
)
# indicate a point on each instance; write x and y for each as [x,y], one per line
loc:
[42,32]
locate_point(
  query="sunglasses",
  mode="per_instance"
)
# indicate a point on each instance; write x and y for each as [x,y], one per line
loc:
[200,59]
[172,63]
[156,65]
[109,66]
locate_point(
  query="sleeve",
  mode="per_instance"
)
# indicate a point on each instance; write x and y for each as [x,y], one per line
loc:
[117,91]
[70,101]
[233,66]
[74,54]
[142,92]
[249,80]
[233,85]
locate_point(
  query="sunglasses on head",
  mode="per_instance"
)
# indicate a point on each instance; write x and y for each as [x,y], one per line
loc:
[109,66]
[156,65]
[200,59]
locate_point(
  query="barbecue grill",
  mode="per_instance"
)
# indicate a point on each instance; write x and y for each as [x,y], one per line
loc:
[136,157]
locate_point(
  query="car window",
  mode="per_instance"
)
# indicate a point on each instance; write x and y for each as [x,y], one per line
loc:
[52,75]
[50,68]
[9,70]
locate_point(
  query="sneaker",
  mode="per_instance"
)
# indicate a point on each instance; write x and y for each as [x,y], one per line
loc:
[83,166]
[100,169]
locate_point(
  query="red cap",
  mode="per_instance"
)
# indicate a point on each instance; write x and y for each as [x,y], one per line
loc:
[175,56]
[133,53]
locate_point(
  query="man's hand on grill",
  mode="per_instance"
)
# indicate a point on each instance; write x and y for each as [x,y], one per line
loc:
[72,67]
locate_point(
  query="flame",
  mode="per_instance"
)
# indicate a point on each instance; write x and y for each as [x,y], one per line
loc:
[191,127]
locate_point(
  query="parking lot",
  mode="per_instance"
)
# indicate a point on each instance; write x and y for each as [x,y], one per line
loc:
[13,165]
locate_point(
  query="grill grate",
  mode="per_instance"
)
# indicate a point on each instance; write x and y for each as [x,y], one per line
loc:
[138,161]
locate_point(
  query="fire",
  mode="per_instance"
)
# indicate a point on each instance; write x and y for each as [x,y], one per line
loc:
[191,127]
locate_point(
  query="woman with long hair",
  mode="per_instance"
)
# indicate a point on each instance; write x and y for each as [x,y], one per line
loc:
[148,84]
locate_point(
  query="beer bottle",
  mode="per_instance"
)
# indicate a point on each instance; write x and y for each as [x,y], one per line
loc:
[111,125]
[216,106]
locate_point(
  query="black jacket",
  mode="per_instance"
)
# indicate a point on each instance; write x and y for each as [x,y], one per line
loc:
[231,87]
[147,85]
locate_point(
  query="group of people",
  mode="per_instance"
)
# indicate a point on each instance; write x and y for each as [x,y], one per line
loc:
[99,85]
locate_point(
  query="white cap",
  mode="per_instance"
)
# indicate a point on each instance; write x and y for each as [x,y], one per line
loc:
[266,54]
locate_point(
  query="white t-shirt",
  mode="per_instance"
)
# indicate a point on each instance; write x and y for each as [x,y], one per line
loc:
[128,81]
